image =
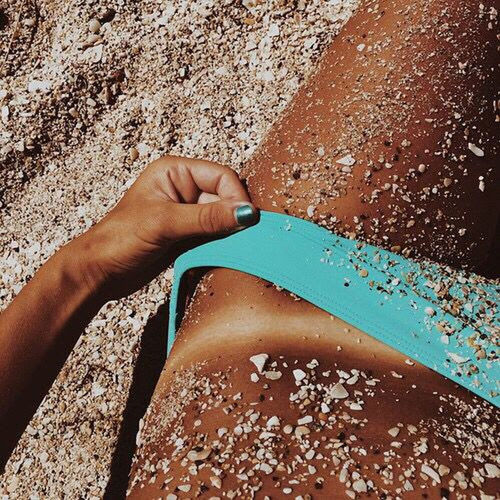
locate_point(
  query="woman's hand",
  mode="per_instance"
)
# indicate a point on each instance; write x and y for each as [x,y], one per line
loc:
[173,200]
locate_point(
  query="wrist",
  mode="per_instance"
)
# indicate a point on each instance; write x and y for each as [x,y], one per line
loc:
[82,269]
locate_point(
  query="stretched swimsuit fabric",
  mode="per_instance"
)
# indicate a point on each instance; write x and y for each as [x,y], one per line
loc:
[383,294]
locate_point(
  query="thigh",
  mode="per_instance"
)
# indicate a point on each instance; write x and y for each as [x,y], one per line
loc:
[395,138]
[307,418]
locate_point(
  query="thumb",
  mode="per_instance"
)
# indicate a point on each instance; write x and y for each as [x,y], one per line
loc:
[214,218]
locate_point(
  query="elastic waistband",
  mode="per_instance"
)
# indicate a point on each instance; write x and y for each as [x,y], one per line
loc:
[396,300]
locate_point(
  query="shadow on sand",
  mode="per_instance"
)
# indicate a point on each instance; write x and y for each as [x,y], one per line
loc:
[147,370]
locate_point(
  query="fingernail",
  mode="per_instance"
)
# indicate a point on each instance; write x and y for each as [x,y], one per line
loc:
[245,215]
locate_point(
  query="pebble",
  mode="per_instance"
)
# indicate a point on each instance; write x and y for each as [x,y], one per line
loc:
[273,375]
[394,431]
[443,470]
[305,420]
[259,360]
[194,455]
[299,374]
[492,470]
[428,471]
[133,154]
[301,430]
[94,26]
[216,481]
[347,160]
[359,486]
[339,392]
[273,421]
[476,150]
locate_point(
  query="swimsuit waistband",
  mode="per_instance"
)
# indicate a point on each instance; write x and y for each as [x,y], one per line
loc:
[395,300]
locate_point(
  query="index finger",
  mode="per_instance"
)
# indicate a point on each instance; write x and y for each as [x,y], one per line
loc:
[215,178]
[208,177]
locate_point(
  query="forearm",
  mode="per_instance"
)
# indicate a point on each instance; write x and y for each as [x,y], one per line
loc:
[37,332]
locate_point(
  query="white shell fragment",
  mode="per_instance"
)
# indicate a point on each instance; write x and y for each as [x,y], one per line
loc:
[477,151]
[339,392]
[299,374]
[259,360]
[431,473]
[347,161]
[457,358]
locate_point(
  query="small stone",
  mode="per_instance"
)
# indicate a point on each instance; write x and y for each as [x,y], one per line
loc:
[347,160]
[254,377]
[195,455]
[422,168]
[359,486]
[301,430]
[259,360]
[266,468]
[216,481]
[271,375]
[447,182]
[184,487]
[363,273]
[477,151]
[274,30]
[443,470]
[394,431]
[288,429]
[492,470]
[457,358]
[407,486]
[133,154]
[305,420]
[338,391]
[94,26]
[429,311]
[274,421]
[299,374]
[428,471]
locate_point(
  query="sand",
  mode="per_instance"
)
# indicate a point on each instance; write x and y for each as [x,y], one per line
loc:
[91,92]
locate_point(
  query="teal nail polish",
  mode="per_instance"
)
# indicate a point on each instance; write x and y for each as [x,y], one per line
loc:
[245,215]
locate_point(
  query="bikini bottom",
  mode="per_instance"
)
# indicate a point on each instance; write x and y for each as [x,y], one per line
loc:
[444,319]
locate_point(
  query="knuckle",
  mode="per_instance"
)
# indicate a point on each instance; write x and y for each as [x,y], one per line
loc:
[209,219]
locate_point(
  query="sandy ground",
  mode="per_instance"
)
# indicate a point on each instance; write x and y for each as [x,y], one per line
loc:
[84,106]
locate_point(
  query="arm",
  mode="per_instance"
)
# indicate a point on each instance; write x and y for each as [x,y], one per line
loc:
[173,200]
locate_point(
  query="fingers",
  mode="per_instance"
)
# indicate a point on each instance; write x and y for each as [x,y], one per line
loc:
[220,217]
[190,177]
[207,198]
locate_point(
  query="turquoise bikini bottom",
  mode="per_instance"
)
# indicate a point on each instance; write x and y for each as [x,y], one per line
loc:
[396,300]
